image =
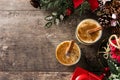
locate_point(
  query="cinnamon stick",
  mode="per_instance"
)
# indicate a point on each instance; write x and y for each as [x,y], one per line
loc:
[68,51]
[94,30]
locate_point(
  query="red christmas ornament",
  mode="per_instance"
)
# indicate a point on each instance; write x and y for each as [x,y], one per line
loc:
[82,74]
[93,4]
[82,77]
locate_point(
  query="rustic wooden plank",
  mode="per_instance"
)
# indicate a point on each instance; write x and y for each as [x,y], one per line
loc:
[15,5]
[25,45]
[35,75]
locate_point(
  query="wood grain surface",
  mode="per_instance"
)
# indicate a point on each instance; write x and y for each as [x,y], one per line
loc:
[16,5]
[35,76]
[25,45]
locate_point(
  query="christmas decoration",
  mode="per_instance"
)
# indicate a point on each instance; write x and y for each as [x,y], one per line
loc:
[112,55]
[82,74]
[115,70]
[63,8]
[113,49]
[108,11]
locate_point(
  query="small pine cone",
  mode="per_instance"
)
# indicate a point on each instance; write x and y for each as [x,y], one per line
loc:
[104,20]
[35,3]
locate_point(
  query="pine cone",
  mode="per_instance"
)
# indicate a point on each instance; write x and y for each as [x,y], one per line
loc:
[106,11]
[104,20]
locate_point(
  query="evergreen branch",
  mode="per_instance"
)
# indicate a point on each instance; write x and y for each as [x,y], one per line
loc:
[60,7]
[85,6]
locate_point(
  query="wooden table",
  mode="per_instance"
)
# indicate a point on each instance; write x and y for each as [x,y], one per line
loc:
[27,49]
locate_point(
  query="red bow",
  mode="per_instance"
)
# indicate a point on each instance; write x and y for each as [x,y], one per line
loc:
[76,3]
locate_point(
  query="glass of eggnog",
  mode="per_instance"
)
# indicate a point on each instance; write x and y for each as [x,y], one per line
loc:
[74,54]
[88,31]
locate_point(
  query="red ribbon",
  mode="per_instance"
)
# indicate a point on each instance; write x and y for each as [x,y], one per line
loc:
[93,4]
[76,3]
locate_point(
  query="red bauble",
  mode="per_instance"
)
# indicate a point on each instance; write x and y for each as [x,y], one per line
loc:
[83,77]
